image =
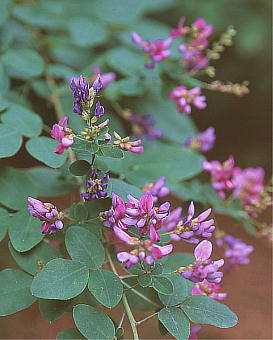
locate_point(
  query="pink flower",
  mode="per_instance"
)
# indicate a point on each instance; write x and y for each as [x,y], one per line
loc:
[62,134]
[157,50]
[184,98]
[106,78]
[201,28]
[180,30]
[212,290]
[204,141]
[157,189]
[126,145]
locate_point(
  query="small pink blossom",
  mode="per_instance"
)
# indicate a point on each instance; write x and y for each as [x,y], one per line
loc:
[212,290]
[157,189]
[185,98]
[106,78]
[62,134]
[126,145]
[204,141]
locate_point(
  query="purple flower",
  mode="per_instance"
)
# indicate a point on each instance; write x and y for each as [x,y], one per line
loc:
[48,213]
[221,175]
[106,78]
[96,187]
[236,251]
[194,332]
[203,268]
[126,145]
[248,184]
[62,134]
[180,30]
[184,98]
[201,28]
[204,141]
[142,126]
[157,50]
[99,110]
[114,217]
[157,189]
[212,290]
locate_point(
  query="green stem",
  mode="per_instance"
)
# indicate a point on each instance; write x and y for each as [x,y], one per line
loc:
[124,300]
[148,317]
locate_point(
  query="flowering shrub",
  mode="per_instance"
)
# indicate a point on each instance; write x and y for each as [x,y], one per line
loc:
[115,244]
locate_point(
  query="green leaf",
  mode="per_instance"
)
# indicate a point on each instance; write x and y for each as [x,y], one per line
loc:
[15,187]
[96,206]
[15,291]
[61,71]
[23,120]
[175,321]
[172,262]
[4,222]
[60,279]
[85,32]
[51,310]
[85,247]
[10,141]
[80,212]
[83,145]
[111,152]
[163,285]
[123,189]
[145,280]
[93,323]
[101,165]
[24,231]
[42,148]
[23,64]
[106,287]
[180,291]
[94,228]
[49,182]
[32,260]
[204,310]
[4,84]
[70,333]
[79,168]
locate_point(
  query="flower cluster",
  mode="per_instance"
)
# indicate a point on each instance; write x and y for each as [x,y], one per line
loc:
[204,141]
[203,268]
[236,251]
[142,125]
[212,290]
[185,98]
[96,187]
[237,89]
[156,51]
[187,228]
[48,213]
[157,189]
[62,134]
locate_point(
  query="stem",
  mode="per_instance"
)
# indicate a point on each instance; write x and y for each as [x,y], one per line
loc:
[148,317]
[124,300]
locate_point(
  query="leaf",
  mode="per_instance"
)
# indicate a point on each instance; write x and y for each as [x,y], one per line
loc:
[61,71]
[10,141]
[163,285]
[32,260]
[94,228]
[93,323]
[15,291]
[24,231]
[83,145]
[70,333]
[123,189]
[42,148]
[4,84]
[79,168]
[4,222]
[85,247]
[101,165]
[60,279]
[112,152]
[15,187]
[204,310]
[80,212]
[51,310]
[96,206]
[85,32]
[23,64]
[145,280]
[23,120]
[56,183]
[175,321]
[180,291]
[106,287]
[172,262]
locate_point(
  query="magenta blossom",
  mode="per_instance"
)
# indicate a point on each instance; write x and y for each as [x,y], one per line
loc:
[157,50]
[248,184]
[184,98]
[116,214]
[62,134]
[194,333]
[201,28]
[203,268]
[48,213]
[146,250]
[221,175]
[180,30]
[157,189]
[212,290]
[142,125]
[106,78]
[204,141]
[126,145]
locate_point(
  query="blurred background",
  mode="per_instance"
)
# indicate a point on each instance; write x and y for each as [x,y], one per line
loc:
[243,128]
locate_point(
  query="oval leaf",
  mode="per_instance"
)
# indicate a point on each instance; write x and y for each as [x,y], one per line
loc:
[70,333]
[10,141]
[51,310]
[204,310]
[175,321]
[163,285]
[93,323]
[60,279]
[79,168]
[15,292]
[106,287]
[181,290]
[85,247]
